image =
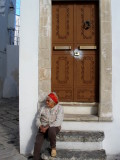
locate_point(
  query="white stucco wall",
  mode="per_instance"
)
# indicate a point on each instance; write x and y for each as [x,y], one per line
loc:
[28,72]
[29,84]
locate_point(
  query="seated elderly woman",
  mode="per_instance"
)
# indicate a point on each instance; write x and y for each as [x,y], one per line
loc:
[49,120]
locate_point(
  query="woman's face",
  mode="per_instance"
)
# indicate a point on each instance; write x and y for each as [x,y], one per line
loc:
[50,103]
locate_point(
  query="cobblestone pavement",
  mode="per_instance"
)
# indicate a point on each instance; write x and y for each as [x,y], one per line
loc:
[9,130]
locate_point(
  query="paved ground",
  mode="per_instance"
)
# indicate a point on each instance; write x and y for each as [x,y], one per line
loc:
[9,131]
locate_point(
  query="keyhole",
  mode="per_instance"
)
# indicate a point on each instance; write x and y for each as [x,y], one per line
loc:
[87,25]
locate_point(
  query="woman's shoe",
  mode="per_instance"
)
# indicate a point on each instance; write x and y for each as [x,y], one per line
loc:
[53,152]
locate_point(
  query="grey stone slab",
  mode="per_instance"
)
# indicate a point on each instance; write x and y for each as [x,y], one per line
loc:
[10,116]
[5,119]
[7,154]
[10,125]
[80,136]
[6,145]
[10,138]
[6,150]
[1,120]
[6,130]
[2,139]
[2,130]
[75,155]
[18,157]
[12,112]
[2,147]
[2,112]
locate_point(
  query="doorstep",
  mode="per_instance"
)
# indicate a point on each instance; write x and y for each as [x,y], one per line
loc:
[80,108]
[80,117]
[86,118]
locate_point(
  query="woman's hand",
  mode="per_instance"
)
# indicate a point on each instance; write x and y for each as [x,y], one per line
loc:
[43,129]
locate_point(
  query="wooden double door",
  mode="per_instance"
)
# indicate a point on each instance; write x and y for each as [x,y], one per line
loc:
[75,51]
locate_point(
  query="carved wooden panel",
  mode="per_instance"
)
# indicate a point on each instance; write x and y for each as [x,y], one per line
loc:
[87,23]
[64,94]
[62,28]
[62,74]
[86,68]
[62,66]
[86,77]
[86,94]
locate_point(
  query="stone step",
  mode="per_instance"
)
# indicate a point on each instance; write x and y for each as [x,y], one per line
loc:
[75,155]
[81,117]
[80,136]
[81,109]
[82,146]
[81,140]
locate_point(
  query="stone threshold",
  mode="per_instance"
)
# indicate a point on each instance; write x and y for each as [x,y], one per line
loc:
[80,108]
[86,118]
[79,104]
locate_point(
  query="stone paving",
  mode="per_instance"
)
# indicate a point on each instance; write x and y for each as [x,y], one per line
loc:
[9,131]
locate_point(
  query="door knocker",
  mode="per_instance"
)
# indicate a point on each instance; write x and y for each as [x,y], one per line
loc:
[87,25]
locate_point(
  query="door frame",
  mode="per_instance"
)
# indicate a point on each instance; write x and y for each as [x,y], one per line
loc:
[105,57]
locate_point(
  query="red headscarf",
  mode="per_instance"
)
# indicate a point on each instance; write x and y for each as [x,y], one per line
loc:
[53,97]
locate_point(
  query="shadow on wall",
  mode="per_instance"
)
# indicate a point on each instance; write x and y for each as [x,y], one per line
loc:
[30,145]
[11,80]
[1,87]
[10,88]
[31,142]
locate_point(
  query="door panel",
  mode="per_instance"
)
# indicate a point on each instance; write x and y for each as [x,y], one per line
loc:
[84,94]
[86,77]
[64,94]
[62,23]
[62,73]
[86,23]
[85,69]
[63,70]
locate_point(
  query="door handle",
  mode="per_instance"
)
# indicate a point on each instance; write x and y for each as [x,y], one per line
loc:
[87,47]
[62,47]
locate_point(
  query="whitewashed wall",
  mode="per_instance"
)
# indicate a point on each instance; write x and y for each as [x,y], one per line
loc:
[28,72]
[29,84]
